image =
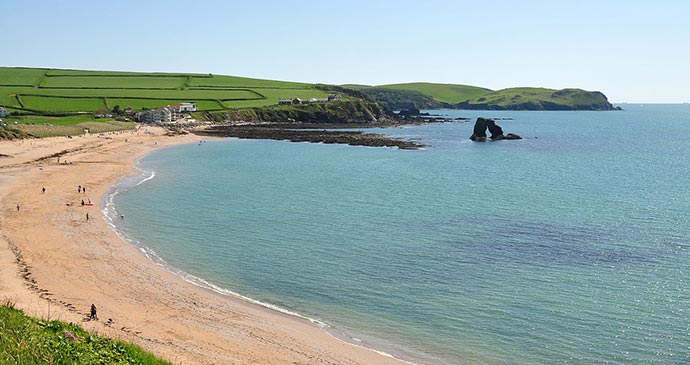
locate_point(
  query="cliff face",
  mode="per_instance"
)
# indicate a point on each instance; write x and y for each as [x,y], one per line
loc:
[356,112]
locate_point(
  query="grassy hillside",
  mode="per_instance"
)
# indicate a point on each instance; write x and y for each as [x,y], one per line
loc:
[445,93]
[539,99]
[422,95]
[26,340]
[71,91]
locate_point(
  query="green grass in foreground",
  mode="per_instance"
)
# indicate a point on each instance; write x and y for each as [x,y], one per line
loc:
[28,341]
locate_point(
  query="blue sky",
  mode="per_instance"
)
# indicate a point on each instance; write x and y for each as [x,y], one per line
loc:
[633,51]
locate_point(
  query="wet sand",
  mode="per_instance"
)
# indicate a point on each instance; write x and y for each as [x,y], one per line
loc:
[55,264]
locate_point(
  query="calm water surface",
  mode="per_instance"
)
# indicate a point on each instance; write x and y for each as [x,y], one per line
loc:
[571,246]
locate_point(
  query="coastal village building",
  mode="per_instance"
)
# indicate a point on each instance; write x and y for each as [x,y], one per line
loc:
[179,110]
[187,107]
[3,112]
[166,114]
[160,115]
[331,97]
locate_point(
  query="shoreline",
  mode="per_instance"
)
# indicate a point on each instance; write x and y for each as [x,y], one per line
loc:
[112,214]
[55,264]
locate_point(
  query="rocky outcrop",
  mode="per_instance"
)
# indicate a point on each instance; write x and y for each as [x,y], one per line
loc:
[482,124]
[479,133]
[354,112]
[353,138]
[411,112]
[495,130]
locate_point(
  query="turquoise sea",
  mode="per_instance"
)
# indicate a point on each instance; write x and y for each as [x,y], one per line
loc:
[571,246]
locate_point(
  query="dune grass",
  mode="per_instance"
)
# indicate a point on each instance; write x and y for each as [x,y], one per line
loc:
[27,341]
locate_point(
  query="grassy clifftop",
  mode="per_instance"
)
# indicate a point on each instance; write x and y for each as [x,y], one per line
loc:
[444,93]
[539,99]
[27,340]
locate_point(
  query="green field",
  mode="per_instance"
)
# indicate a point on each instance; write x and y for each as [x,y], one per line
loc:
[111,82]
[52,91]
[12,76]
[61,103]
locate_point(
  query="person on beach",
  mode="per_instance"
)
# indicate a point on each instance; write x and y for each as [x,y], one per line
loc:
[93,315]
[83,190]
[79,188]
[82,202]
[87,216]
[43,191]
[18,206]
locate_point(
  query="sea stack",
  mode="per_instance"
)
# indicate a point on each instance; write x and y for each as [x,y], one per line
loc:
[482,124]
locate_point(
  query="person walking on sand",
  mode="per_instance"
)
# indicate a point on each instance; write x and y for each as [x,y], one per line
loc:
[82,202]
[87,216]
[93,315]
[43,191]
[18,206]
[83,190]
[79,188]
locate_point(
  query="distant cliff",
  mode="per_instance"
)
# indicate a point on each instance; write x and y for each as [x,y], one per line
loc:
[433,96]
[539,99]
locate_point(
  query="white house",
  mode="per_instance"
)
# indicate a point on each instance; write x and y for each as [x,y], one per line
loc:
[187,107]
[179,110]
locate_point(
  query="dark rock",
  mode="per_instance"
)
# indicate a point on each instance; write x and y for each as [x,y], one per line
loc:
[482,124]
[495,129]
[411,112]
[479,132]
[353,138]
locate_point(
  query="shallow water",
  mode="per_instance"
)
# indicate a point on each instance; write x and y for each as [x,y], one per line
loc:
[571,246]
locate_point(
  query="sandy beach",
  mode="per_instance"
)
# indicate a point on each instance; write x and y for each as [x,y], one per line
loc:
[54,263]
